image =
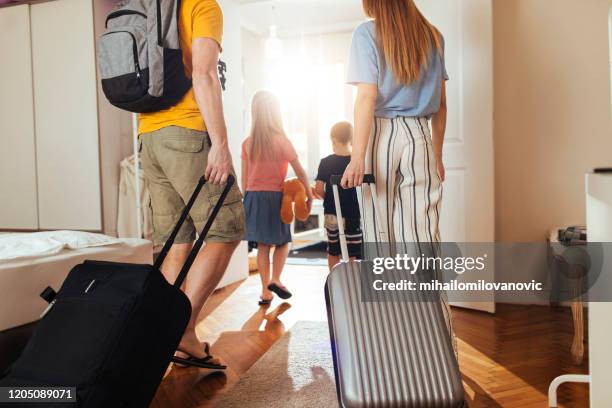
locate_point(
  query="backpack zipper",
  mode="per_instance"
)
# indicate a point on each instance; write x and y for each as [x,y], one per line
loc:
[159,24]
[120,13]
[134,49]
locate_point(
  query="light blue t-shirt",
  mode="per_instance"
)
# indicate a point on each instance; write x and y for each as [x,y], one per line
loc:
[419,99]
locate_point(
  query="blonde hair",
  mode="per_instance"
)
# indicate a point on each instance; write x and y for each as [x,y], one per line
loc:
[342,133]
[405,37]
[266,126]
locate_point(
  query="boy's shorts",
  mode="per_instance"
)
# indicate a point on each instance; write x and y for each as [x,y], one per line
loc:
[173,160]
[352,230]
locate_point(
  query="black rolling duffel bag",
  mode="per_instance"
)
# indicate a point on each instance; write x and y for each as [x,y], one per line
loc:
[111,330]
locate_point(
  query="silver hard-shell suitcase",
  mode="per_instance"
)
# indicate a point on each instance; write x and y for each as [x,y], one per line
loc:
[396,352]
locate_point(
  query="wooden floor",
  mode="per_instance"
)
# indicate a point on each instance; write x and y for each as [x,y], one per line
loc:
[506,360]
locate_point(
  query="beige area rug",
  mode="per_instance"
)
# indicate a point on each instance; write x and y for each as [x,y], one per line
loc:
[296,372]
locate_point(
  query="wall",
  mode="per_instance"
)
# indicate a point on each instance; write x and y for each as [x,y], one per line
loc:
[552,111]
[253,70]
[234,114]
[115,133]
[232,97]
[599,216]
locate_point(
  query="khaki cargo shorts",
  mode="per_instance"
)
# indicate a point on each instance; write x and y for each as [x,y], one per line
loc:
[173,160]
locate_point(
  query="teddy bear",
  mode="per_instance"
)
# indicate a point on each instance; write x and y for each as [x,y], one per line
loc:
[294,192]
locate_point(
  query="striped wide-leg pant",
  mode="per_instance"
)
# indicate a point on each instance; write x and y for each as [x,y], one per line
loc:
[401,157]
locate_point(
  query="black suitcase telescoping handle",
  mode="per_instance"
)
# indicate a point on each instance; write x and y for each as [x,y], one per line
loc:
[231,180]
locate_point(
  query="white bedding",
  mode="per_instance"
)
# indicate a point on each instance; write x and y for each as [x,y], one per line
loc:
[22,280]
[27,245]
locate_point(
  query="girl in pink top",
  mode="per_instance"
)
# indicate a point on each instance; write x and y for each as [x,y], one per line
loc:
[266,156]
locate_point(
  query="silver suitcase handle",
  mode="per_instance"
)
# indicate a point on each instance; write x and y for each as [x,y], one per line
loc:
[370,180]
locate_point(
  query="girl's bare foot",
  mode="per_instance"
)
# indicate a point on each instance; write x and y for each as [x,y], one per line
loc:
[266,295]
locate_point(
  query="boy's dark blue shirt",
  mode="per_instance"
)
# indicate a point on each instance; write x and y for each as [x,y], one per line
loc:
[335,165]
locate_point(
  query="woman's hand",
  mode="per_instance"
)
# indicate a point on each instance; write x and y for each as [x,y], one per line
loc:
[441,169]
[353,175]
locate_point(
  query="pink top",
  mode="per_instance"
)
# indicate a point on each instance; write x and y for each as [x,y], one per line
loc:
[269,175]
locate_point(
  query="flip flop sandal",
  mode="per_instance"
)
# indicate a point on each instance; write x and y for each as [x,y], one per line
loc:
[203,362]
[264,302]
[281,292]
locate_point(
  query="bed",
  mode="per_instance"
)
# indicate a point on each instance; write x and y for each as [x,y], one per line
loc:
[23,277]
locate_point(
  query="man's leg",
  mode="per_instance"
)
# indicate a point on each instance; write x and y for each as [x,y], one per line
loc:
[182,156]
[206,273]
[166,204]
[174,261]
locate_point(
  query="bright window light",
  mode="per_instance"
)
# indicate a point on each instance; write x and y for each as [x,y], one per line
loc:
[274,46]
[313,97]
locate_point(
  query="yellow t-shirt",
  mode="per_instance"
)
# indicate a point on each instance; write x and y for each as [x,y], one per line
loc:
[198,19]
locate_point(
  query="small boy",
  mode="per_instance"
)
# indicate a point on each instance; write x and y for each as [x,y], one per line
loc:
[335,164]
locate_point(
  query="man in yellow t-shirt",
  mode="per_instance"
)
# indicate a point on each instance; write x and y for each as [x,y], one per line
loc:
[179,145]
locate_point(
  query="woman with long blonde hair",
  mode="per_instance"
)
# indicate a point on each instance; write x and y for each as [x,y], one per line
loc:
[266,155]
[397,64]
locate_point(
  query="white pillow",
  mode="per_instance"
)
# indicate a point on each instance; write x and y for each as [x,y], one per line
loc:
[13,246]
[79,239]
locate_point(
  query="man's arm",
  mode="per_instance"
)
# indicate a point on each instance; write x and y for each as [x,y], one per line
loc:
[207,89]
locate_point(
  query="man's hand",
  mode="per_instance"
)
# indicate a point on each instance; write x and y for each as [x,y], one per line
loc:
[219,164]
[353,175]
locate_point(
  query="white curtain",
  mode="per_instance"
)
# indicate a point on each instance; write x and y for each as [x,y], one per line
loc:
[127,224]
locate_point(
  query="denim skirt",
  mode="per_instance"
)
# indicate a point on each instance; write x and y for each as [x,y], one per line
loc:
[263,220]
